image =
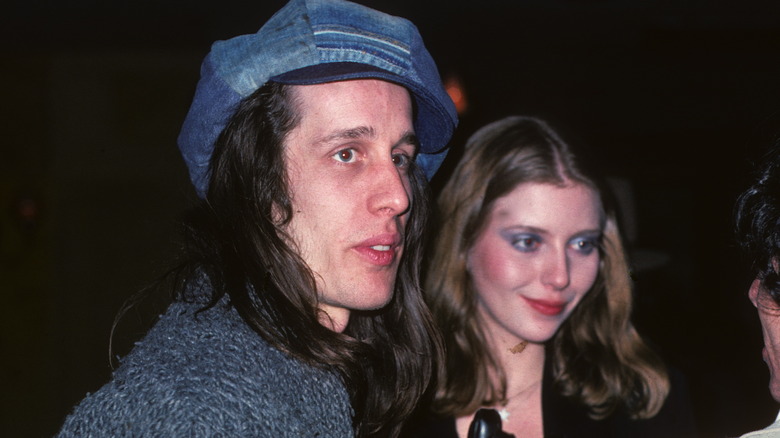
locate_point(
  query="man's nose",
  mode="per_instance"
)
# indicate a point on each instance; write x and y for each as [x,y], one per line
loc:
[755,288]
[389,189]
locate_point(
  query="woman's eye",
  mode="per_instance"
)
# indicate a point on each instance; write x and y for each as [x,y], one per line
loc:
[345,155]
[526,243]
[585,246]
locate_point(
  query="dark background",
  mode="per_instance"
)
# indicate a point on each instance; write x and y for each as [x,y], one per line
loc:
[678,96]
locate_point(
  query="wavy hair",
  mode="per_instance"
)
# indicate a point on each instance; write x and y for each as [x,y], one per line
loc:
[757,217]
[237,237]
[597,356]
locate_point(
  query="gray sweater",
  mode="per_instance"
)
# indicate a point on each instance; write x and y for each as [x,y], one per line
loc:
[210,375]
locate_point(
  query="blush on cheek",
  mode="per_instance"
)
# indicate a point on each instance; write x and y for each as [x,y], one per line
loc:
[492,265]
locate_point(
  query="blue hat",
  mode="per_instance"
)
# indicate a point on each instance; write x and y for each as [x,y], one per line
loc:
[312,42]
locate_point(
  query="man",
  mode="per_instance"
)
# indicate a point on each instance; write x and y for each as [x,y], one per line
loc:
[299,312]
[758,231]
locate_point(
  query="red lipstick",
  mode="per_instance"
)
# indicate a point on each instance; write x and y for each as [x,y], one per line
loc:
[546,307]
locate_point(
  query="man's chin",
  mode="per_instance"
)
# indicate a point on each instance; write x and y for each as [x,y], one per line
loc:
[774,388]
[378,302]
[774,381]
[380,305]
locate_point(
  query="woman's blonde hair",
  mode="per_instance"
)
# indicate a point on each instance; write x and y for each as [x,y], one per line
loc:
[597,356]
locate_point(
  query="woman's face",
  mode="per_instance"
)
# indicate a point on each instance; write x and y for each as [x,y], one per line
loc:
[535,259]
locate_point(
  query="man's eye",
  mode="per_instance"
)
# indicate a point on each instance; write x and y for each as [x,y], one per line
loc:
[401,160]
[345,155]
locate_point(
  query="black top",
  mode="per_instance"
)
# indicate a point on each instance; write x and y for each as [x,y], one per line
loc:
[565,418]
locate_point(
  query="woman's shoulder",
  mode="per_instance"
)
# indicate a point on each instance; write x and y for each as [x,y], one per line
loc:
[207,369]
[564,417]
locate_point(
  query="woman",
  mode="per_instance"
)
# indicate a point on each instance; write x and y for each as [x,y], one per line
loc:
[529,284]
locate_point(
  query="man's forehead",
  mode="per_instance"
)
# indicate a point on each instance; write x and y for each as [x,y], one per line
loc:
[353,109]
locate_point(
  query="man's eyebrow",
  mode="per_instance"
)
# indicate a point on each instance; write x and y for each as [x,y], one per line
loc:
[348,134]
[409,138]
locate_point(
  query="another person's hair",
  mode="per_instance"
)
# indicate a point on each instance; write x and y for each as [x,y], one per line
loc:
[237,237]
[597,356]
[758,222]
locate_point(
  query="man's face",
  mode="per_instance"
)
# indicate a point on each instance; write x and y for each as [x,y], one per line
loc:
[769,314]
[348,162]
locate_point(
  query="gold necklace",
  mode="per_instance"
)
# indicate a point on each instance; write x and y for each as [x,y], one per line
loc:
[504,412]
[518,348]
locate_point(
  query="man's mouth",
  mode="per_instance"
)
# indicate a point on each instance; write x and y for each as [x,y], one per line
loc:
[381,250]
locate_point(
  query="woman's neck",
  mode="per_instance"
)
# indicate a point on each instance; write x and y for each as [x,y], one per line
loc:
[521,361]
[523,367]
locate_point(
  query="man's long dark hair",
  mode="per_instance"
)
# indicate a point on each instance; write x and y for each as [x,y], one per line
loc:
[236,237]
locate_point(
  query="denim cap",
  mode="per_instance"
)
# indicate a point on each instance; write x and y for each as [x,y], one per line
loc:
[313,42]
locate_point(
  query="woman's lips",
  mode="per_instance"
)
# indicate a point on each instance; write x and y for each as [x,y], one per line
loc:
[545,307]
